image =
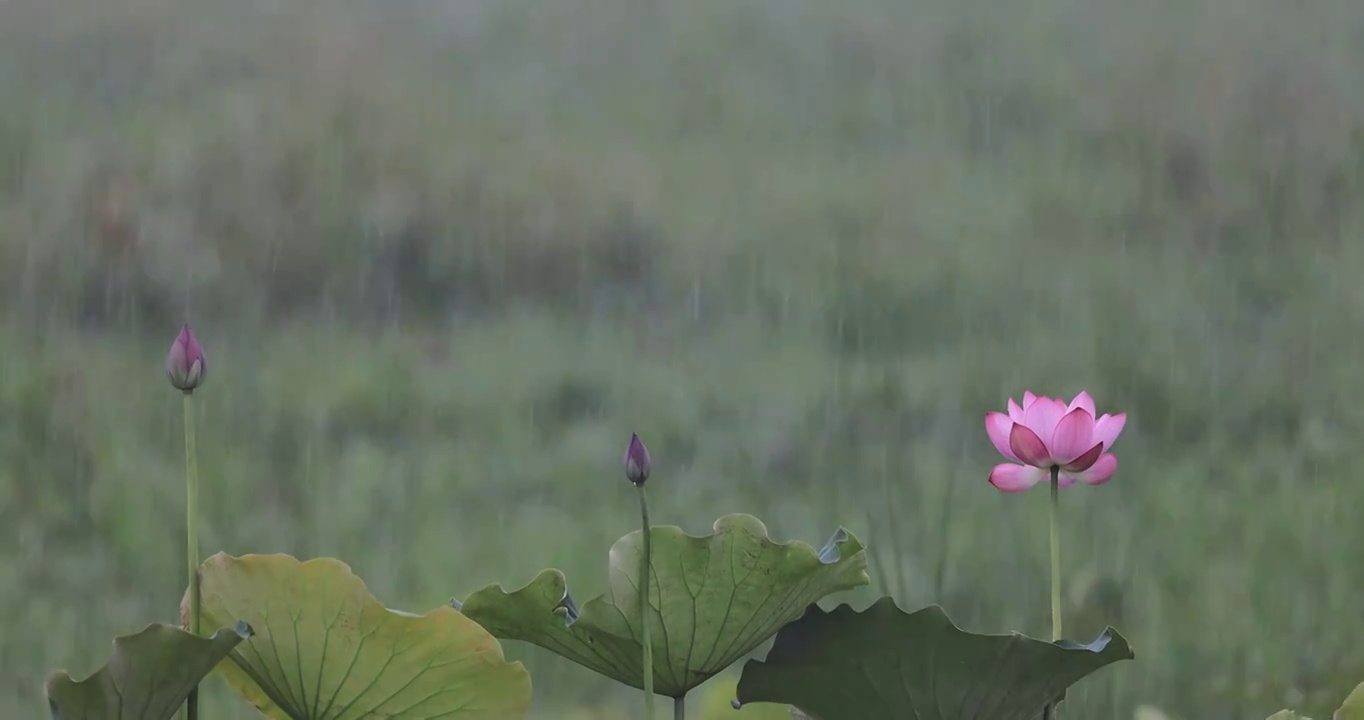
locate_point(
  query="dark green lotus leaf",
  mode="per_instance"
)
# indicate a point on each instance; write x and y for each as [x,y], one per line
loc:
[326,648]
[148,676]
[886,664]
[714,598]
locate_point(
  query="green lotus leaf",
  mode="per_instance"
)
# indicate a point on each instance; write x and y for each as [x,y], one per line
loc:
[886,664]
[326,648]
[713,598]
[148,676]
[1353,707]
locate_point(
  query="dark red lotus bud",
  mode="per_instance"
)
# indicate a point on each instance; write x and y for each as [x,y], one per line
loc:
[636,460]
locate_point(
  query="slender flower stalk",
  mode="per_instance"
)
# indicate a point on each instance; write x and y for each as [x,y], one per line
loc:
[645,573]
[1055,553]
[1049,712]
[680,708]
[192,535]
[637,465]
[186,368]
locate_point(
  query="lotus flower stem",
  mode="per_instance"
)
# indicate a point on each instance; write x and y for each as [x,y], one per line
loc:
[1055,554]
[1055,535]
[192,535]
[680,708]
[645,573]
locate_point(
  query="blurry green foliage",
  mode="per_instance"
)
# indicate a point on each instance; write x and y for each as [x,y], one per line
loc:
[448,256]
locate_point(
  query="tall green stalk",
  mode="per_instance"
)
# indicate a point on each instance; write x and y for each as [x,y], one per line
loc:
[192,535]
[1055,554]
[680,708]
[1055,531]
[645,574]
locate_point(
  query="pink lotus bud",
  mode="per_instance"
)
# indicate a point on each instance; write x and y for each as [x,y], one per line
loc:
[186,365]
[636,460]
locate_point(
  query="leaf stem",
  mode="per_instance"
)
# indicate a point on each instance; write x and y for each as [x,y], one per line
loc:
[645,574]
[1049,713]
[192,536]
[680,708]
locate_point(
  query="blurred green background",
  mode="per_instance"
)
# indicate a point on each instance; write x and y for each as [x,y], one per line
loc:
[445,256]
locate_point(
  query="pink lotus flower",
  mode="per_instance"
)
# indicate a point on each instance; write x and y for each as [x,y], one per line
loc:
[1044,433]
